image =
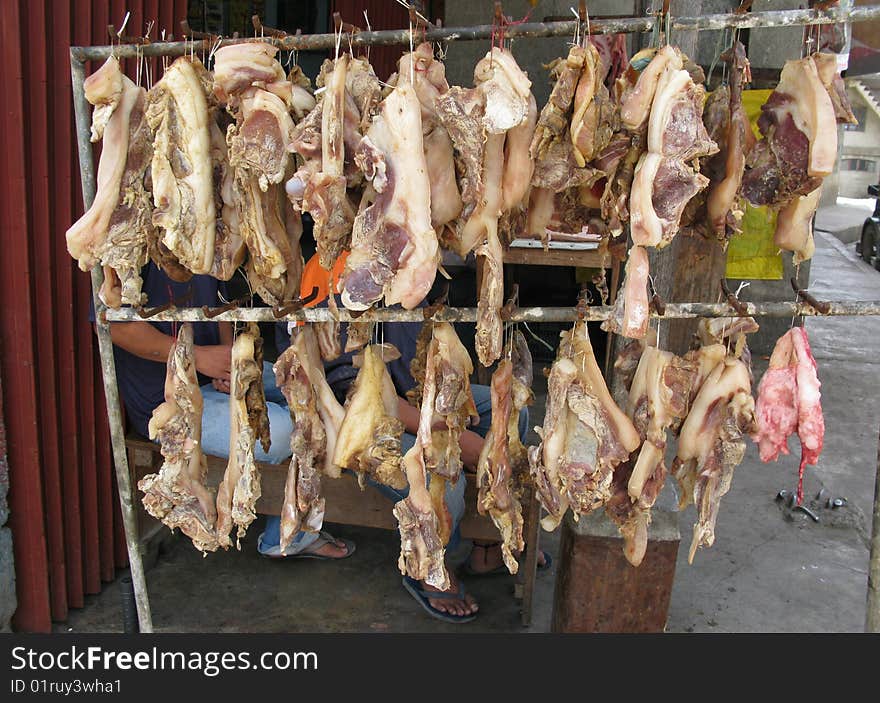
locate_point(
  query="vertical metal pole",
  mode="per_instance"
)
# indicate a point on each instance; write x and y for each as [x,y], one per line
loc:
[872,613]
[108,367]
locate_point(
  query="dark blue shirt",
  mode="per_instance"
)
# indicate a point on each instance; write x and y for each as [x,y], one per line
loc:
[142,381]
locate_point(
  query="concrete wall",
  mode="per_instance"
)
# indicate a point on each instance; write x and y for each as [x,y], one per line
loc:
[531,54]
[8,601]
[863,143]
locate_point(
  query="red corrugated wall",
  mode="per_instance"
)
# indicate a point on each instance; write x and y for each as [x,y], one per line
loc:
[62,494]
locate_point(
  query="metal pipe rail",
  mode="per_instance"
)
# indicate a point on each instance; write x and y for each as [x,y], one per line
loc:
[629,25]
[80,55]
[532,315]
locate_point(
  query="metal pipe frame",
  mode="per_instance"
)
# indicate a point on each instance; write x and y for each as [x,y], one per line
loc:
[306,42]
[672,311]
[108,366]
[80,55]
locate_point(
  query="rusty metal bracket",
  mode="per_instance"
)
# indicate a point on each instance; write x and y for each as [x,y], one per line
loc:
[147,313]
[818,305]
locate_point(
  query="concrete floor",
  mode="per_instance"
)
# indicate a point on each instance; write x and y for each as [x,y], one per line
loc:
[769,570]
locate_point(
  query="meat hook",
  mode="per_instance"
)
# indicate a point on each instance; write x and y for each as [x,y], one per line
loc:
[262,29]
[583,303]
[344,26]
[733,301]
[438,303]
[295,304]
[820,306]
[510,306]
[656,303]
[211,313]
[150,312]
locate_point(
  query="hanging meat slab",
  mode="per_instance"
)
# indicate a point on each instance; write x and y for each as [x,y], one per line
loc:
[182,172]
[503,455]
[799,127]
[428,78]
[394,250]
[240,488]
[585,434]
[303,506]
[229,245]
[789,401]
[324,195]
[329,409]
[658,399]
[114,231]
[369,437]
[631,309]
[177,495]
[710,445]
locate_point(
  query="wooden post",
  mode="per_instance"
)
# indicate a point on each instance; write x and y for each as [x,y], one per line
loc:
[598,590]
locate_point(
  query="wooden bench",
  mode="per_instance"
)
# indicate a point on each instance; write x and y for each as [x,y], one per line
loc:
[346,504]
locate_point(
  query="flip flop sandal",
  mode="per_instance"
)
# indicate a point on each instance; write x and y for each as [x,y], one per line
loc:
[422,596]
[323,538]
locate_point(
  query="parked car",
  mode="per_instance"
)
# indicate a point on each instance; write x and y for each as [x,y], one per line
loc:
[868,245]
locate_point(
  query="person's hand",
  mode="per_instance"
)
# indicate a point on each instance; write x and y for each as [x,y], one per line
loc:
[220,385]
[214,360]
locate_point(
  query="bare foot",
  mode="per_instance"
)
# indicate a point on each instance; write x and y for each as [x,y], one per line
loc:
[487,557]
[452,606]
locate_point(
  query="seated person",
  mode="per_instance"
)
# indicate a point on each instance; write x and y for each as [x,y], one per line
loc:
[141,352]
[340,374]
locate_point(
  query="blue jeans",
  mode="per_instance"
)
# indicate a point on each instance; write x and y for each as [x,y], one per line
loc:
[215,441]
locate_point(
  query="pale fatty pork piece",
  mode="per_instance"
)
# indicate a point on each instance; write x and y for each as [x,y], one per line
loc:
[394,249]
[182,172]
[119,199]
[369,437]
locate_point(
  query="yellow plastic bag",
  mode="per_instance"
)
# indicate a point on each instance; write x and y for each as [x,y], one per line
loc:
[752,254]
